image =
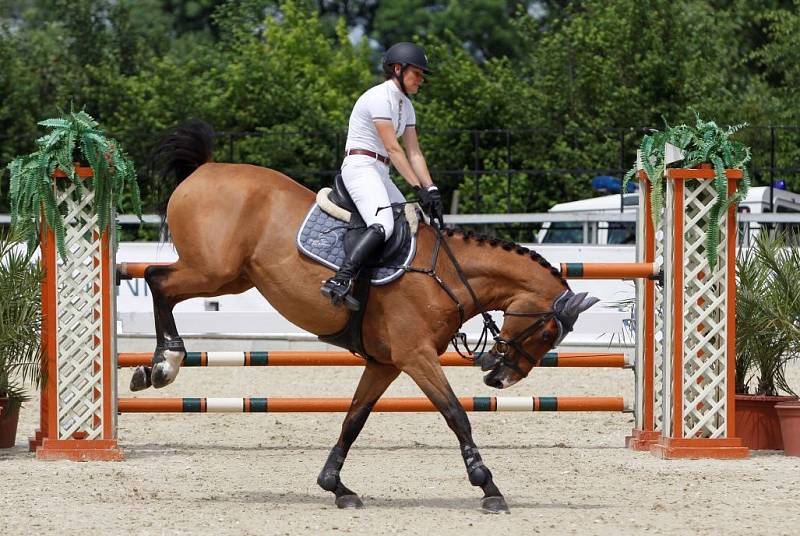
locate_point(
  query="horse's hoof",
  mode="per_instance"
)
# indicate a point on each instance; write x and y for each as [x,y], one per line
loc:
[494,505]
[141,378]
[349,501]
[160,376]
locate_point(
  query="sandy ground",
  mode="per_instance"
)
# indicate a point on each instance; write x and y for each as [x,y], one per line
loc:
[255,474]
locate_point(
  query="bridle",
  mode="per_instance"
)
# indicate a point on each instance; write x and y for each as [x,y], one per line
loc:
[499,352]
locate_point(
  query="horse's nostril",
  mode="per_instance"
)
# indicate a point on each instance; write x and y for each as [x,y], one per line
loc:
[493,382]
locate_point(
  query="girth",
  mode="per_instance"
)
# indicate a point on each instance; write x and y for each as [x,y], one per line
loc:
[350,337]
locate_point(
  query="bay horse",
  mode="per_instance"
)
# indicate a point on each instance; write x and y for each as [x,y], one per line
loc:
[234,227]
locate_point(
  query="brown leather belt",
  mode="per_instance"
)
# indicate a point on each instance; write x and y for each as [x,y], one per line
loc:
[365,152]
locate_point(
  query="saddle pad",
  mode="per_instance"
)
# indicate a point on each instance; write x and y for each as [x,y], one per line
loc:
[321,237]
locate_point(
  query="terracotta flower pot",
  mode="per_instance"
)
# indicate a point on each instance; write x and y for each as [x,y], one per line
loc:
[9,416]
[757,422]
[789,415]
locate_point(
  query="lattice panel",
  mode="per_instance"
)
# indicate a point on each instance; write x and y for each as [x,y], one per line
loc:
[79,324]
[704,324]
[658,333]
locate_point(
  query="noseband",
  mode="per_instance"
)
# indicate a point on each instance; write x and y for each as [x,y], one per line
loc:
[499,353]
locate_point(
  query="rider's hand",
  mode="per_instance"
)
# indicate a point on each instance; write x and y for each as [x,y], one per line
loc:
[430,199]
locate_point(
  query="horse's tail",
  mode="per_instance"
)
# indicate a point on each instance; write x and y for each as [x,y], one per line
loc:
[179,152]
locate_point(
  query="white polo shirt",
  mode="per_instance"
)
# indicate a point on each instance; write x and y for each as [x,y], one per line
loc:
[384,101]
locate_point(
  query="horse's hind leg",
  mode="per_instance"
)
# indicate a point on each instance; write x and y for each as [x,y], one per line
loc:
[429,376]
[374,381]
[169,285]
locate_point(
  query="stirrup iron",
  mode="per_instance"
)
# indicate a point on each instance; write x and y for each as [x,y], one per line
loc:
[340,294]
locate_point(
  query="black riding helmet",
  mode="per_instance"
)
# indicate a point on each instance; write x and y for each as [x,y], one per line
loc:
[405,54]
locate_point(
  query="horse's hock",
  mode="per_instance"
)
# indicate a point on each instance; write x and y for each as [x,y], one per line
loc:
[684,352]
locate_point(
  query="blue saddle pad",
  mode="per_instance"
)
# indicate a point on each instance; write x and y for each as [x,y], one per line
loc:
[321,237]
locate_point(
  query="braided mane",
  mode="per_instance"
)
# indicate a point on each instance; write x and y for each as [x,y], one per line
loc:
[507,245]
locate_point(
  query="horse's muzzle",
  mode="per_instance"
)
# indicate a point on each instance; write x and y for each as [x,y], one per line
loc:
[501,377]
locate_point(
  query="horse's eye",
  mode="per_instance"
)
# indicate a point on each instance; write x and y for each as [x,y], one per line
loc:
[547,335]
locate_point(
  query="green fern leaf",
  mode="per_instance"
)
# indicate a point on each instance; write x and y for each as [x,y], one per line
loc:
[56,123]
[84,120]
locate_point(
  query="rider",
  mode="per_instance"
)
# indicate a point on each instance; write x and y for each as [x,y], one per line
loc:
[379,117]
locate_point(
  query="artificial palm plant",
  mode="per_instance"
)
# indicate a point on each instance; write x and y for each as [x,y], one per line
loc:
[704,143]
[74,137]
[20,318]
[767,314]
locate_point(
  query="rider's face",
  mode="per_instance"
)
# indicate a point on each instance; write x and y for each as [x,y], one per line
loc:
[412,78]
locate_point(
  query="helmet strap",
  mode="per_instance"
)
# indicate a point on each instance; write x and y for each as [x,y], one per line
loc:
[399,77]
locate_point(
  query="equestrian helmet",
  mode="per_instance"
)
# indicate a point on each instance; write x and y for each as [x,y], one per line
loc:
[405,54]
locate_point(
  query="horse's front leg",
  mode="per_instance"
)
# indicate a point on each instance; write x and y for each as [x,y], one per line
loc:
[427,373]
[374,381]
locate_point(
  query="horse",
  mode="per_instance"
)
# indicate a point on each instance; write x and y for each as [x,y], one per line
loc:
[234,227]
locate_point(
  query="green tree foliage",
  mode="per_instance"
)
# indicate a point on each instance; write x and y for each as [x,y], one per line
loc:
[291,86]
[288,72]
[484,27]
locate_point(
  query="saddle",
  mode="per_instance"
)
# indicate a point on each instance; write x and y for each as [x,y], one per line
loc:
[332,226]
[340,198]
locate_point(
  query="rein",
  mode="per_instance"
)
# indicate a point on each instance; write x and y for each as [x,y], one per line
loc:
[489,325]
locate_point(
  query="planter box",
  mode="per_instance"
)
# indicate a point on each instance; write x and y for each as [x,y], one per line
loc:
[757,422]
[789,415]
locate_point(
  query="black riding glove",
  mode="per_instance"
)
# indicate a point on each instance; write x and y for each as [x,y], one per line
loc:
[430,200]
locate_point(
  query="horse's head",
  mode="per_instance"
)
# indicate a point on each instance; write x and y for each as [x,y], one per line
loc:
[529,331]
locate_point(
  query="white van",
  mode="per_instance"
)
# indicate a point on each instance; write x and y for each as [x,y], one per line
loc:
[590,226]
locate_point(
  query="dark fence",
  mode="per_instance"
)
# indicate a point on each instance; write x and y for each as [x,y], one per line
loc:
[479,171]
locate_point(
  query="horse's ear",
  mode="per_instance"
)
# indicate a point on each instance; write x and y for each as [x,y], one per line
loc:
[582,302]
[568,306]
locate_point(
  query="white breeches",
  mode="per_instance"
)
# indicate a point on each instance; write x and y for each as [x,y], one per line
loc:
[367,180]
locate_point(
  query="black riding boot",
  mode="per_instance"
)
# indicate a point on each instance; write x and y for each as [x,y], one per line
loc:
[338,287]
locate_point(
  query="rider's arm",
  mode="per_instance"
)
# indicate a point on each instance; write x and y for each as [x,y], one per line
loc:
[415,156]
[396,154]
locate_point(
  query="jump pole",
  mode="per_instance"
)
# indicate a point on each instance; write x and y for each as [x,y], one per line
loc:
[346,359]
[389,405]
[601,270]
[569,270]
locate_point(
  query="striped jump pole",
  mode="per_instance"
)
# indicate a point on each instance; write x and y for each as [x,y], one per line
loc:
[569,270]
[389,405]
[601,270]
[345,359]
[135,270]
